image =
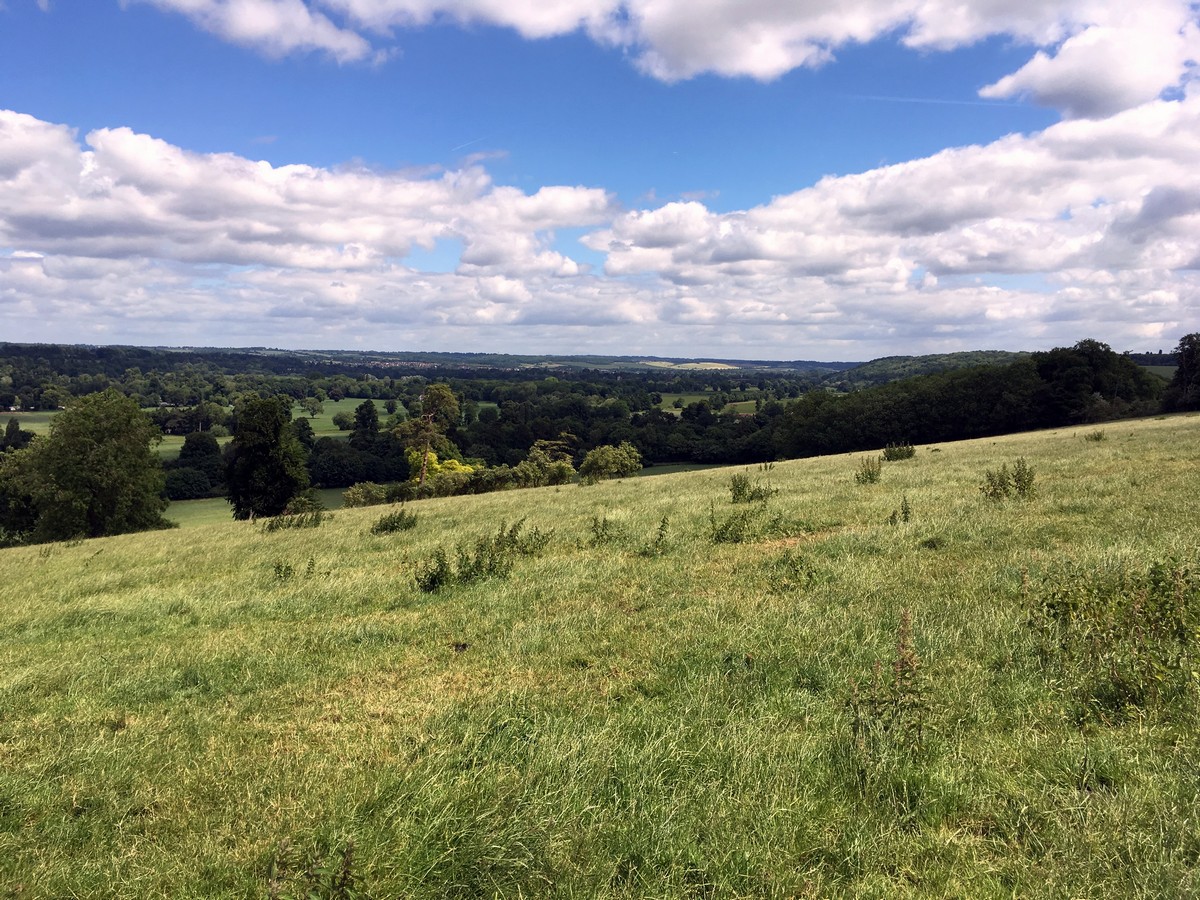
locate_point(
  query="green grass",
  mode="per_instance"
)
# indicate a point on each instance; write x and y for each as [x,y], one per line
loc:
[323,426]
[216,510]
[636,711]
[37,422]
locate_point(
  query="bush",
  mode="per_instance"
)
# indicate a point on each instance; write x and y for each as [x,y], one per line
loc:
[1002,484]
[312,519]
[870,470]
[895,452]
[401,520]
[365,493]
[187,484]
[488,557]
[608,461]
[742,490]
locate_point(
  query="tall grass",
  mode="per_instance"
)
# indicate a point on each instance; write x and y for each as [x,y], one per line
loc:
[231,712]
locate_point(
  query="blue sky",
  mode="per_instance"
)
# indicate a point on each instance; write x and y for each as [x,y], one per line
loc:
[723,179]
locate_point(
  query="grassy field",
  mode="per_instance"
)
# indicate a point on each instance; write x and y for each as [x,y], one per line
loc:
[323,426]
[215,510]
[899,689]
[37,422]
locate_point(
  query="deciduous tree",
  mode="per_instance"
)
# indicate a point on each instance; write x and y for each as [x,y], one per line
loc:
[265,463]
[96,473]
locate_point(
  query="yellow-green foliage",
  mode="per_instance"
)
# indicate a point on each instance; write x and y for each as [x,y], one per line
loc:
[834,706]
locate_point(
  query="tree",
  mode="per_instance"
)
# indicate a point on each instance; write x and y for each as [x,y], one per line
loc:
[548,462]
[366,426]
[1184,390]
[96,473]
[14,436]
[265,463]
[607,461]
[439,411]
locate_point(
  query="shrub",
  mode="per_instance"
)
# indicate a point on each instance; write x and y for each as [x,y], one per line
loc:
[605,531]
[750,525]
[1002,484]
[887,740]
[1022,479]
[870,470]
[608,461]
[313,519]
[742,491]
[1096,436]
[903,514]
[661,542]
[401,520]
[895,452]
[488,557]
[365,493]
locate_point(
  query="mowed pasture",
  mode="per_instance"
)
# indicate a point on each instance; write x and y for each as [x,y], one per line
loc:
[661,693]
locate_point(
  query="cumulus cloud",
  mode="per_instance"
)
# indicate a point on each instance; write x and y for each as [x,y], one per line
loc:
[1093,57]
[1088,228]
[131,195]
[276,27]
[1123,58]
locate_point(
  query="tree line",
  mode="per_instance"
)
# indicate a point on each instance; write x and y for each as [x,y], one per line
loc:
[96,472]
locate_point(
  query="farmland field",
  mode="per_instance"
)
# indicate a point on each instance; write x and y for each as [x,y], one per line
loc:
[643,689]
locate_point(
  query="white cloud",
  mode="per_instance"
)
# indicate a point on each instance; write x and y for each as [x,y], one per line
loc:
[1090,228]
[1096,57]
[276,27]
[1125,57]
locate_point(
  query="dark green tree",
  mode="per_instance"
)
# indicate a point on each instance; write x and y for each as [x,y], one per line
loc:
[1184,390]
[366,426]
[96,473]
[265,462]
[201,451]
[14,436]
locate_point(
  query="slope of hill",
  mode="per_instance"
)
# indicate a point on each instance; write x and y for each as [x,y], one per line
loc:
[644,689]
[893,368]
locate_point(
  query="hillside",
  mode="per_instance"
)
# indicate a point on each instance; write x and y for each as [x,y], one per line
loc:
[649,691]
[893,368]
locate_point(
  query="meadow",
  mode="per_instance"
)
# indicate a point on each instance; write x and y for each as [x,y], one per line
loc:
[632,689]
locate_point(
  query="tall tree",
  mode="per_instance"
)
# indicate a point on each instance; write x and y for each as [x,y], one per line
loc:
[366,426]
[439,412]
[265,464]
[96,473]
[1184,390]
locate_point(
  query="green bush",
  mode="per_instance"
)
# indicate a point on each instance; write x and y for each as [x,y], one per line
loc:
[312,519]
[401,520]
[1002,484]
[870,470]
[608,461]
[895,452]
[487,557]
[743,491]
[365,493]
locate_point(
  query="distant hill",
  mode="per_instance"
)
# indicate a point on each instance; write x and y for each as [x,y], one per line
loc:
[893,368]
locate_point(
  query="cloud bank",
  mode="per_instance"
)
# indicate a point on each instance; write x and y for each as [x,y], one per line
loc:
[1089,228]
[1093,57]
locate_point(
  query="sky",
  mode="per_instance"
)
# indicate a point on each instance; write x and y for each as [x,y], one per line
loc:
[733,179]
